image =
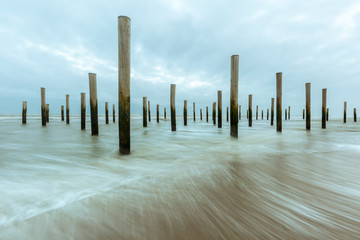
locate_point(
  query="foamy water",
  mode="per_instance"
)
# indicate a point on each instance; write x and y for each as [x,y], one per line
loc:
[60,182]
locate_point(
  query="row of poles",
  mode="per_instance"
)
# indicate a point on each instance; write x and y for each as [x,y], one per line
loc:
[124,99]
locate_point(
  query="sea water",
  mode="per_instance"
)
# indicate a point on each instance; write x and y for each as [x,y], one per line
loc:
[59,182]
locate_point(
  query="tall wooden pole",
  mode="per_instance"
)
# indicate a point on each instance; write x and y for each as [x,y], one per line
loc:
[124,33]
[62,113]
[267,114]
[247,114]
[67,109]
[47,112]
[354,114]
[239,112]
[93,105]
[327,114]
[24,110]
[106,113]
[149,111]
[285,114]
[278,101]
[289,113]
[194,111]
[200,114]
[262,114]
[144,112]
[164,113]
[157,113]
[257,110]
[185,113]
[113,113]
[344,112]
[303,114]
[83,110]
[43,107]
[234,99]
[250,110]
[272,111]
[172,106]
[219,109]
[207,114]
[227,114]
[214,113]
[323,110]
[308,105]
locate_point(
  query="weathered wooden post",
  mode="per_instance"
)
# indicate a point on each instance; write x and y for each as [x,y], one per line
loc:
[278,101]
[234,100]
[323,110]
[344,112]
[354,114]
[285,114]
[227,114]
[214,113]
[267,114]
[247,114]
[83,110]
[200,114]
[149,111]
[250,110]
[47,112]
[124,84]
[144,112]
[43,107]
[308,105]
[172,104]
[164,113]
[207,114]
[289,113]
[219,109]
[194,111]
[62,113]
[239,112]
[185,113]
[272,112]
[303,114]
[113,113]
[257,110]
[24,110]
[106,113]
[157,113]
[262,114]
[93,105]
[327,114]
[67,109]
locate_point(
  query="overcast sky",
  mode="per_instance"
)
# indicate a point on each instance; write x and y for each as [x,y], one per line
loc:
[55,44]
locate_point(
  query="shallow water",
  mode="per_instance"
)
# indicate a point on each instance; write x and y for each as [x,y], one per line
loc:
[59,182]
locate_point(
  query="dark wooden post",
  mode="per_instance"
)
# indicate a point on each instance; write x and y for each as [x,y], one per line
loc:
[227,114]
[308,105]
[43,107]
[214,113]
[124,83]
[257,110]
[106,113]
[234,101]
[247,114]
[285,114]
[47,112]
[62,113]
[172,104]
[67,109]
[207,114]
[149,111]
[323,110]
[267,114]
[327,114]
[93,105]
[278,101]
[24,110]
[157,113]
[200,114]
[303,114]
[113,113]
[83,110]
[239,112]
[219,109]
[144,112]
[164,113]
[185,113]
[262,114]
[194,111]
[250,110]
[344,112]
[289,113]
[272,111]
[354,114]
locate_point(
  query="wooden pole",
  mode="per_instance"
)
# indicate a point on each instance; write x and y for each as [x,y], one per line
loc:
[247,114]
[327,114]
[144,112]
[173,110]
[323,110]
[278,101]
[262,114]
[239,112]
[185,113]
[272,112]
[113,113]
[83,110]
[234,101]
[207,114]
[257,110]
[93,105]
[164,113]
[285,114]
[62,113]
[354,114]
[157,113]
[227,114]
[344,112]
[303,114]
[267,114]
[308,105]
[214,113]
[194,111]
[24,110]
[250,110]
[124,83]
[43,107]
[289,113]
[47,112]
[200,114]
[67,109]
[149,111]
[106,113]
[219,109]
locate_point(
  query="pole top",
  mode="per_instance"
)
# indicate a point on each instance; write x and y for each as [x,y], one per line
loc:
[126,17]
